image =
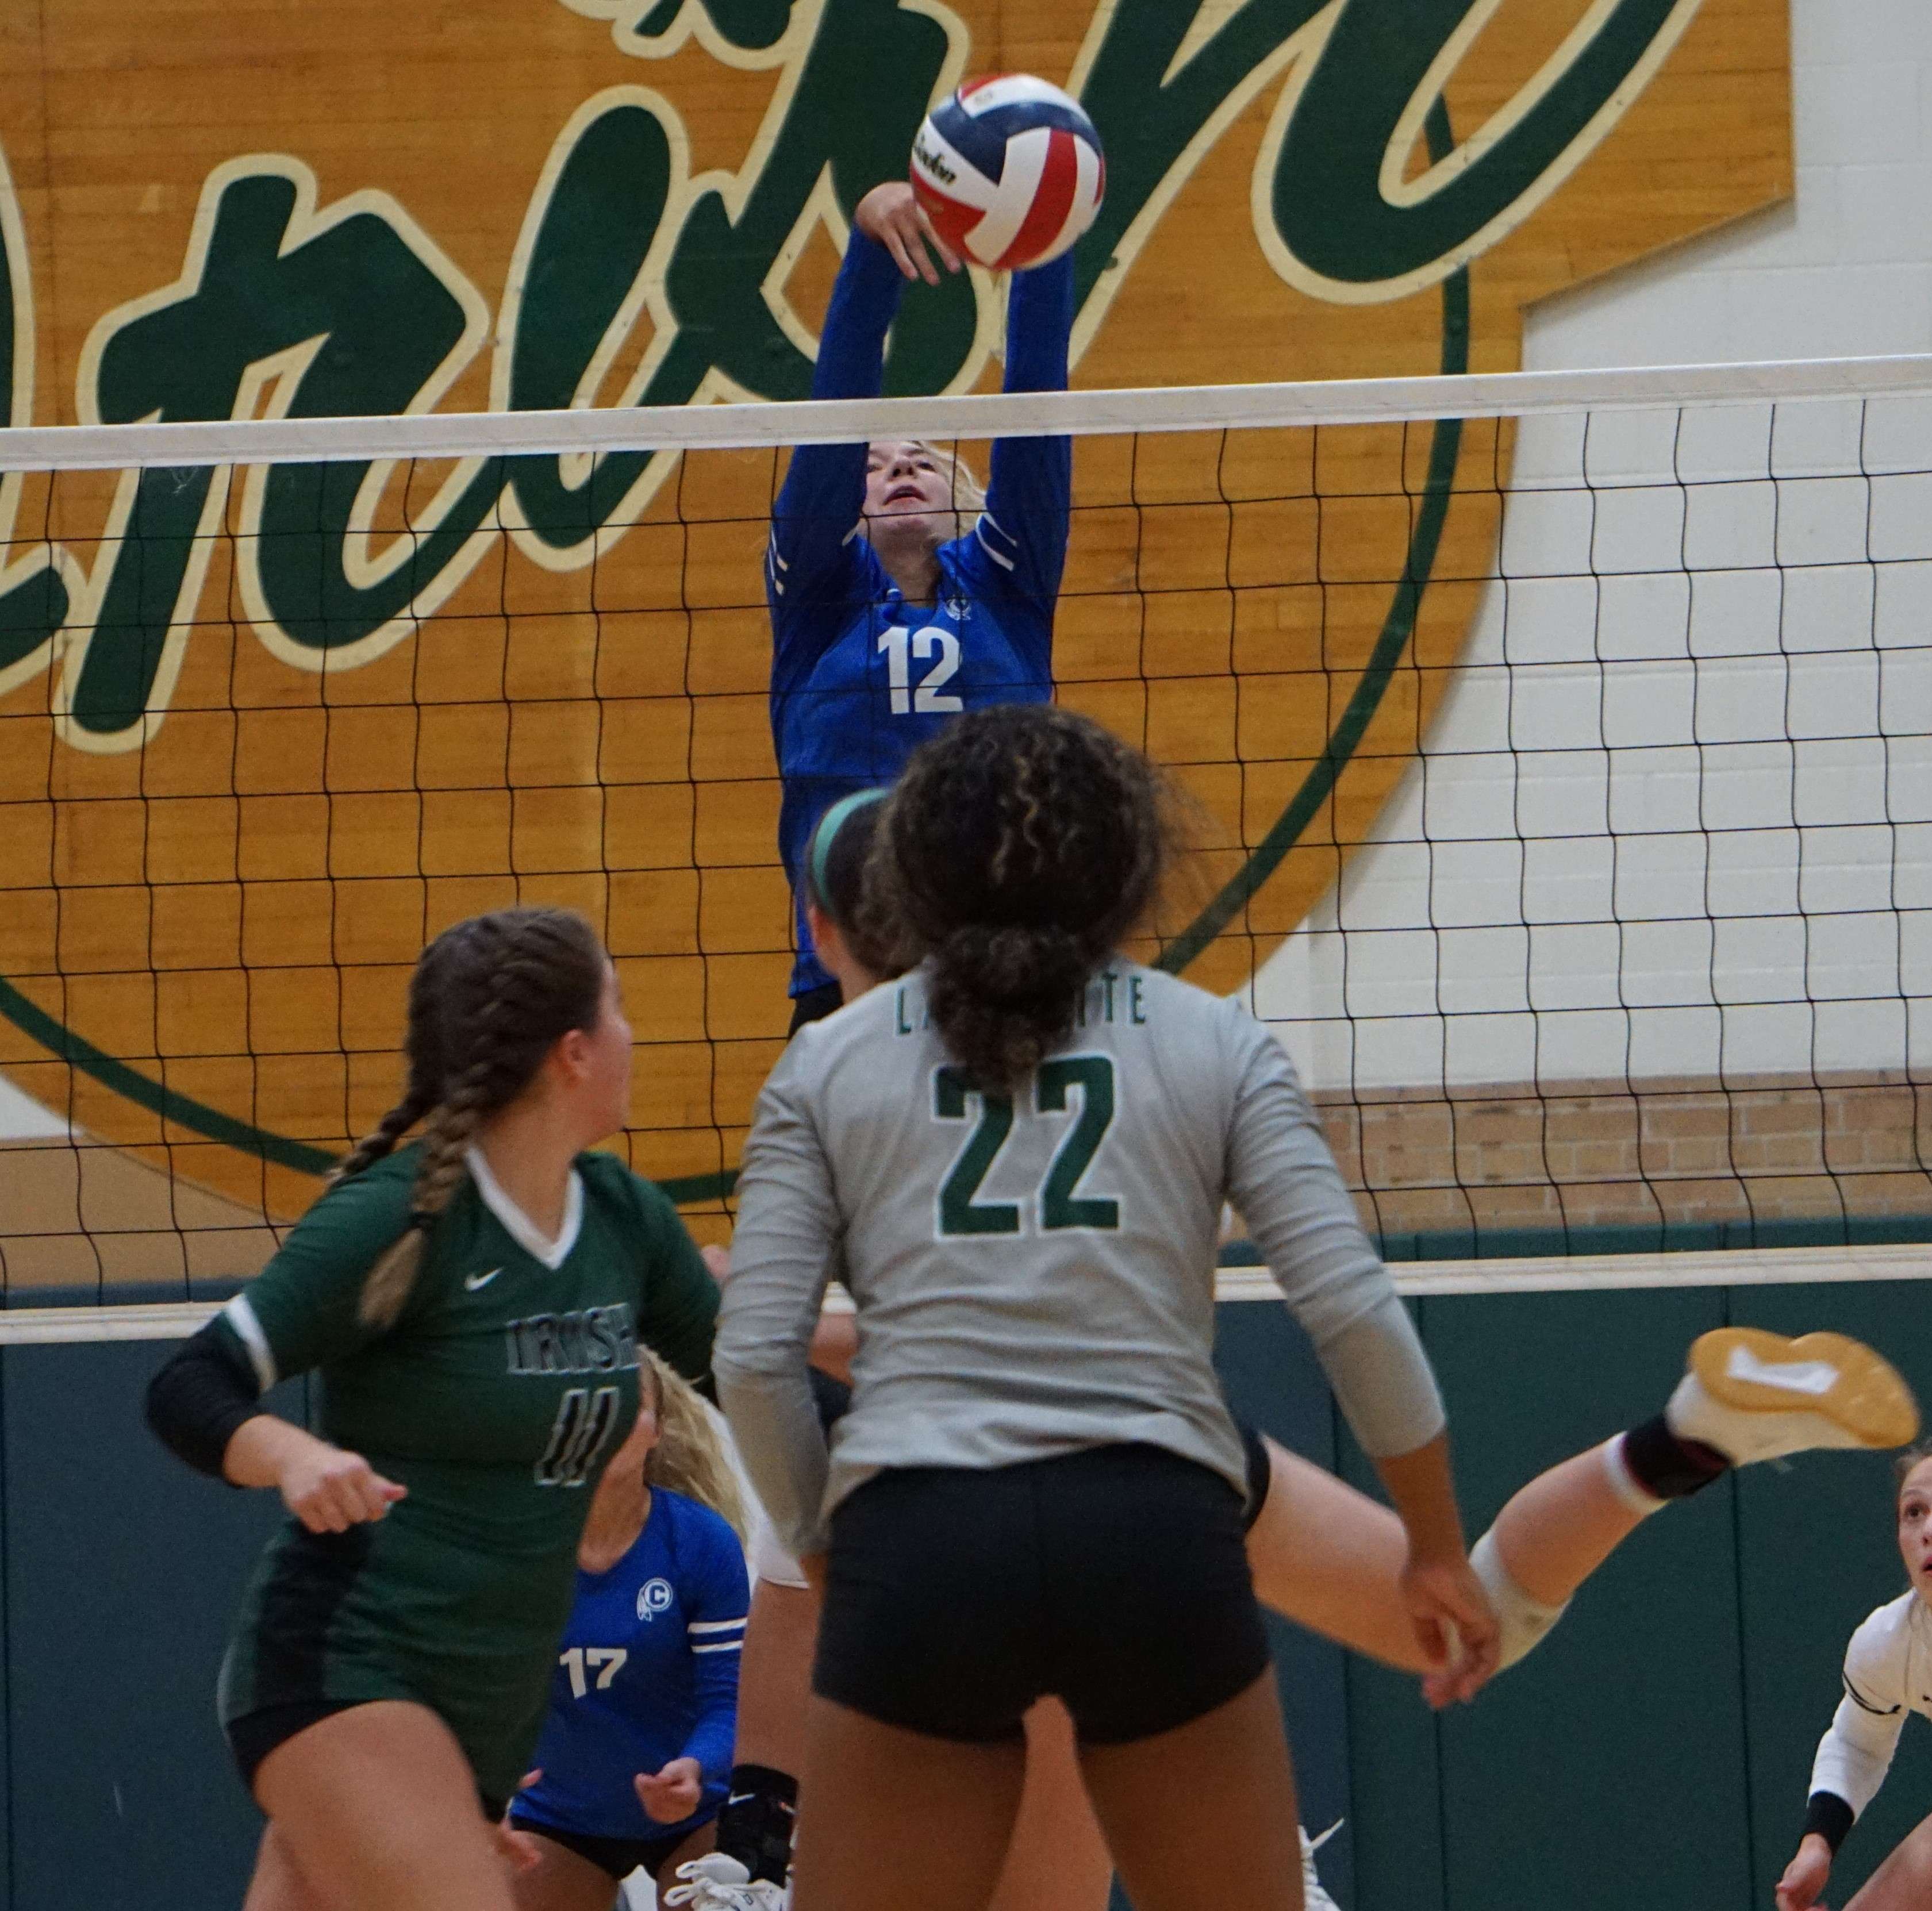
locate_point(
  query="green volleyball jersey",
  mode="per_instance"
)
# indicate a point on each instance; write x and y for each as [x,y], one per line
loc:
[509,1378]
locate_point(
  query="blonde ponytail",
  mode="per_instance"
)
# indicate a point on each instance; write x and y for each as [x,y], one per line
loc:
[689,1457]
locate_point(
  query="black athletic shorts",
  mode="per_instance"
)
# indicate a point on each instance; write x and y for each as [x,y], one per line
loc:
[1115,1578]
[1261,1473]
[814,1005]
[253,1736]
[619,1856]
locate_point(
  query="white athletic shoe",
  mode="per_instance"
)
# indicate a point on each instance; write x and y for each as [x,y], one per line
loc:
[1314,1897]
[1756,1396]
[714,1882]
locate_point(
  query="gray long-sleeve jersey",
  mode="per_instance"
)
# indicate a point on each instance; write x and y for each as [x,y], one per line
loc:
[1036,1274]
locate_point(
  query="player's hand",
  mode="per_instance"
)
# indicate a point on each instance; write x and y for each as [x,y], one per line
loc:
[718,1260]
[1454,1626]
[518,1849]
[329,1490]
[1805,1876]
[673,1794]
[891,216]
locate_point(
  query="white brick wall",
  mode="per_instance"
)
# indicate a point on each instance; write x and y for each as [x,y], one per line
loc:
[1677,820]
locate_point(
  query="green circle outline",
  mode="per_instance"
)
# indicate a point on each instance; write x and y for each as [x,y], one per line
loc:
[1263,860]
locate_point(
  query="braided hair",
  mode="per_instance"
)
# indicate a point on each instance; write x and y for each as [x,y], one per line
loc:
[1021,845]
[490,997]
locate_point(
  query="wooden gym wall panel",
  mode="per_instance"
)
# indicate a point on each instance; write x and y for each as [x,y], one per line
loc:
[223,897]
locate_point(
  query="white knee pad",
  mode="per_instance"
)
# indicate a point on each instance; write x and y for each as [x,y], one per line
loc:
[1524,1621]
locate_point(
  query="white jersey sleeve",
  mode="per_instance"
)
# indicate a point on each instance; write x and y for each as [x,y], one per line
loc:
[783,1251]
[1856,1750]
[1283,1180]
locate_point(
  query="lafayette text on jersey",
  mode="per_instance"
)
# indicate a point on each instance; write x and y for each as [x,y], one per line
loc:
[510,1377]
[1035,1272]
[860,678]
[646,1672]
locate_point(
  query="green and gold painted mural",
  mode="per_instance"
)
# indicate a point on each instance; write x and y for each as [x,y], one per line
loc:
[263,730]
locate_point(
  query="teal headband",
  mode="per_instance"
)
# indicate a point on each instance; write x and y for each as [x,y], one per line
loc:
[834,820]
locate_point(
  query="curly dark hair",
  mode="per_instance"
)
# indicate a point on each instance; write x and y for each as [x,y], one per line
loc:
[1021,846]
[489,997]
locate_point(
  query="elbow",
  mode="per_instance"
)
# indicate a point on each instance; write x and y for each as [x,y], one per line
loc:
[756,1365]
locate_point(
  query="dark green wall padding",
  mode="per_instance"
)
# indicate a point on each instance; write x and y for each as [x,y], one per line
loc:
[1657,1748]
[1654,1750]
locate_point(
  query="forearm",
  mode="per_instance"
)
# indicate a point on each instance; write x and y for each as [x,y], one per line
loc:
[775,1421]
[1854,1756]
[1383,1381]
[260,1449]
[712,1737]
[865,301]
[1422,1491]
[1040,323]
[198,1399]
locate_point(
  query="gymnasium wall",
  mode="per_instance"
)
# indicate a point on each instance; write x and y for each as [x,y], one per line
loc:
[1655,1750]
[234,800]
[1574,917]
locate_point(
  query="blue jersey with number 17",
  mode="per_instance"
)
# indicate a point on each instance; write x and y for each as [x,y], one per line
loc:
[646,1672]
[860,678]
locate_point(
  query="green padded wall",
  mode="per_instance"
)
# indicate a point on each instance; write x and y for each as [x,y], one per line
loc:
[1654,1750]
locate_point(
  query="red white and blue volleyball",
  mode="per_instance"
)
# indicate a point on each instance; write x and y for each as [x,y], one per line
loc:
[1009,171]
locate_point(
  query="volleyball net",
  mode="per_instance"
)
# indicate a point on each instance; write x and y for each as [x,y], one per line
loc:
[1558,750]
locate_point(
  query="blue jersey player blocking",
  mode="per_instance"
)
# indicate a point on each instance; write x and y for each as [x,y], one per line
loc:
[899,596]
[636,1745]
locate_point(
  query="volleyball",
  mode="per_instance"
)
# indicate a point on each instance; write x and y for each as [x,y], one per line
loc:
[1009,171]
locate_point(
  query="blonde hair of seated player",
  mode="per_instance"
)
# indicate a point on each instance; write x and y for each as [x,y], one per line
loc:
[1903,1882]
[674,1444]
[1324,1555]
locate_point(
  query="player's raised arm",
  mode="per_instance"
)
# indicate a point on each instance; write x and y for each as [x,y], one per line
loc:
[1022,533]
[1283,1179]
[814,575]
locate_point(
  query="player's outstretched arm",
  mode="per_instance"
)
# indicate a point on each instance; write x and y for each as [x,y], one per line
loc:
[1018,546]
[1805,1876]
[813,579]
[1446,1605]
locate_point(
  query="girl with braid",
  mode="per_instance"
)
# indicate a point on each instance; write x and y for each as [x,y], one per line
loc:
[473,1306]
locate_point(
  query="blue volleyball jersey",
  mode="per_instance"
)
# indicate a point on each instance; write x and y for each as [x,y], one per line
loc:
[646,1672]
[860,678]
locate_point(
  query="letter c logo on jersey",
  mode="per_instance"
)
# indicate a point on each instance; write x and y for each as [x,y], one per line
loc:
[654,1597]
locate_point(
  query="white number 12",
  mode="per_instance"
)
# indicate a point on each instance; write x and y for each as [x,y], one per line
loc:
[901,646]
